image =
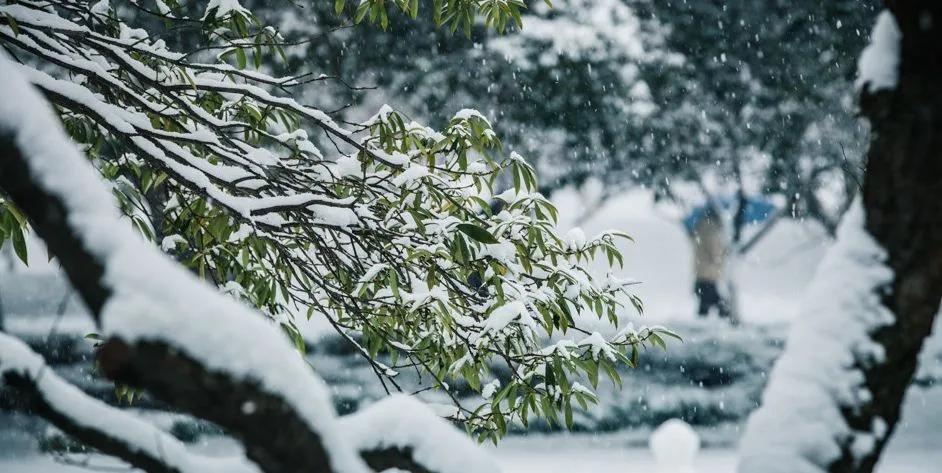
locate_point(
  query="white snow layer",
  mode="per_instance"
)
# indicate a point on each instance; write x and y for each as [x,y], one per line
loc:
[799,428]
[154,298]
[85,411]
[401,421]
[879,62]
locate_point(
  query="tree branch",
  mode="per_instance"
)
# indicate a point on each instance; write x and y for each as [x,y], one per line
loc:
[274,435]
[47,216]
[38,390]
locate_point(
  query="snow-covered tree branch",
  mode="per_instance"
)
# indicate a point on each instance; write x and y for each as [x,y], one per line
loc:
[228,365]
[109,430]
[383,228]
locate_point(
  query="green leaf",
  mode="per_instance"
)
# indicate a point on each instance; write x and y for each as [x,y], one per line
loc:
[16,214]
[568,414]
[13,24]
[361,12]
[477,233]
[240,58]
[393,279]
[592,370]
[19,245]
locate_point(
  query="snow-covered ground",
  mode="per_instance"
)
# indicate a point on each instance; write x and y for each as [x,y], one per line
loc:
[916,448]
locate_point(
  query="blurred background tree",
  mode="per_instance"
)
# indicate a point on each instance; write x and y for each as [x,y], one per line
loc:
[632,92]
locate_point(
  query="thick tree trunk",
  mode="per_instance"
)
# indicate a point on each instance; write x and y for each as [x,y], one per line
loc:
[903,199]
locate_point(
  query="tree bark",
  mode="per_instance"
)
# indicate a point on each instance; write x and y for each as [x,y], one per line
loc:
[902,196]
[275,437]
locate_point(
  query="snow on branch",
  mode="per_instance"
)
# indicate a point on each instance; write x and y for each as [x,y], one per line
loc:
[879,62]
[112,431]
[166,330]
[403,432]
[801,426]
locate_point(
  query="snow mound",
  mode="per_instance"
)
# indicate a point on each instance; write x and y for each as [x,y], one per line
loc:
[674,445]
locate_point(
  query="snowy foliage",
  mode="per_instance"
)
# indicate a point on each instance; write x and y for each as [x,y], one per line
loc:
[577,31]
[453,14]
[800,426]
[222,335]
[566,89]
[394,233]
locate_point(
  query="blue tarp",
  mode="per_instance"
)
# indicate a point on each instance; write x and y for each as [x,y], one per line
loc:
[757,210]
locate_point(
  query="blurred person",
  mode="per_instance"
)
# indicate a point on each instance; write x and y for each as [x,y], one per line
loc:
[711,251]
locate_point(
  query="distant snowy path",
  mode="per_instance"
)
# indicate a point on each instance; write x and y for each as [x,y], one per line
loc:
[534,460]
[916,448]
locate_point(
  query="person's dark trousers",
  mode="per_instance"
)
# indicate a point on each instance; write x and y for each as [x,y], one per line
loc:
[709,297]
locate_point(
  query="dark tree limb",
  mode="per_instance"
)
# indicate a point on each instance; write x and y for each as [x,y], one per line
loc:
[276,438]
[274,435]
[388,458]
[48,216]
[29,398]
[29,385]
